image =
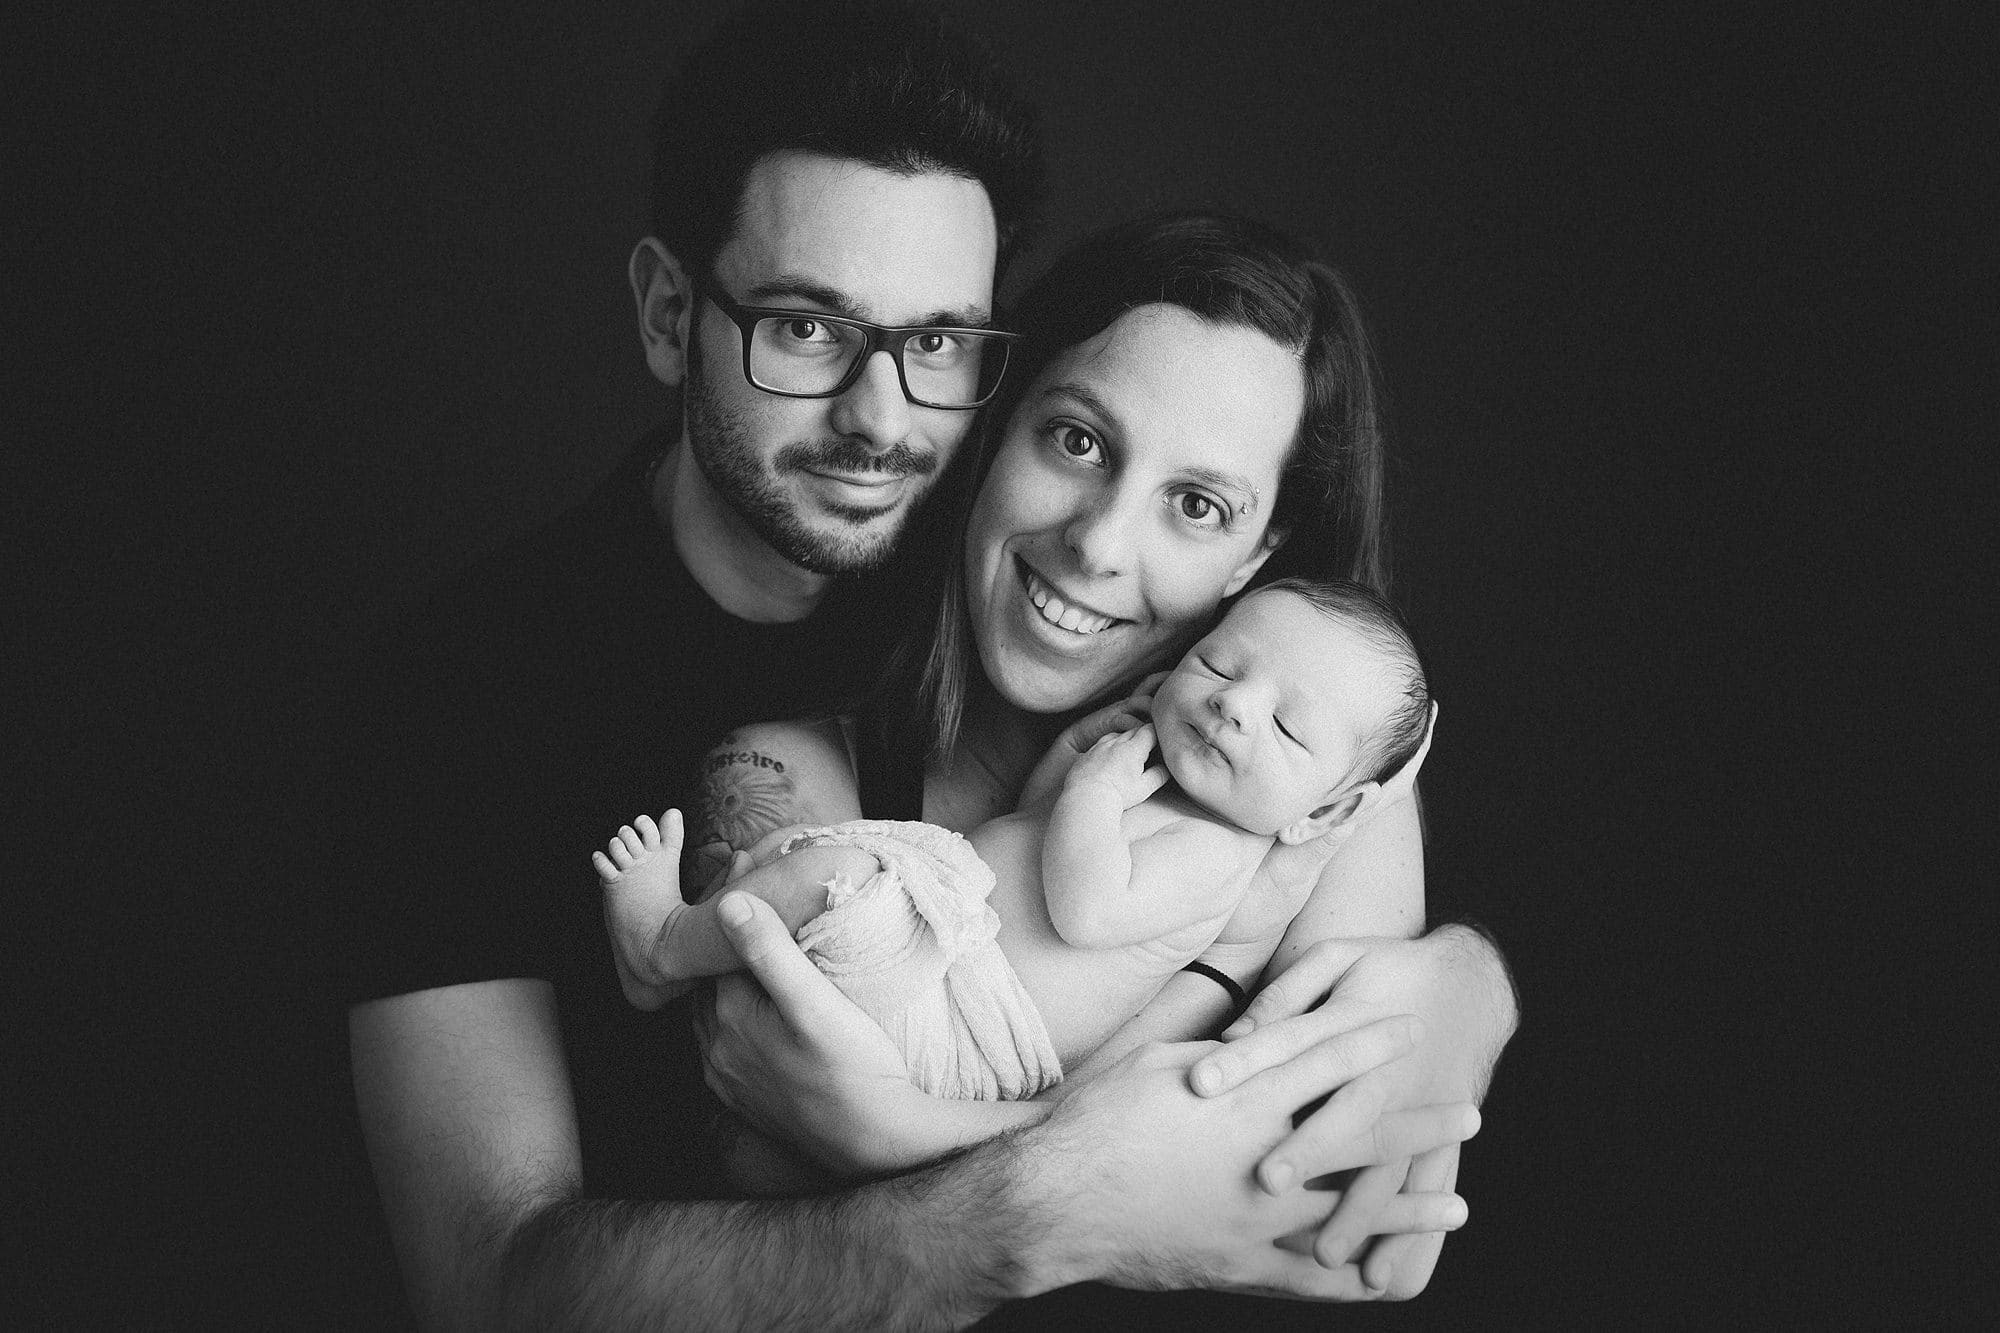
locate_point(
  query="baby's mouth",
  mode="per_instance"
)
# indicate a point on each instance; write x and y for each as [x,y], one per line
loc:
[1051,606]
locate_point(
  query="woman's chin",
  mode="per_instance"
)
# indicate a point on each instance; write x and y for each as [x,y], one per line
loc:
[1035,689]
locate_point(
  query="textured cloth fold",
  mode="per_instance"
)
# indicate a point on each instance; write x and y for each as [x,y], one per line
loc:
[915,946]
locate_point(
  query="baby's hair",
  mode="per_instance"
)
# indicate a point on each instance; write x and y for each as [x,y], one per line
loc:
[1396,740]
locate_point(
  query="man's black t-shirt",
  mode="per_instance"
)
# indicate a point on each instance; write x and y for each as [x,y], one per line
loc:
[503,731]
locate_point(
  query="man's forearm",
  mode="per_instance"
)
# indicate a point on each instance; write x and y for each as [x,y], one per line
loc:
[1486,999]
[934,1249]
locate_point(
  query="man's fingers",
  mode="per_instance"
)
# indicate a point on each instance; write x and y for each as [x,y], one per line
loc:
[1400,1265]
[1301,986]
[770,955]
[1279,1270]
[1343,1047]
[1355,1219]
[1415,1214]
[1349,1132]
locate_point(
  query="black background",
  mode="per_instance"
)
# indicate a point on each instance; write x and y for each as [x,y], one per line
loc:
[1682,315]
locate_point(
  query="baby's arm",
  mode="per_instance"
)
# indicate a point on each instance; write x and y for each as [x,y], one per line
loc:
[1105,891]
[668,939]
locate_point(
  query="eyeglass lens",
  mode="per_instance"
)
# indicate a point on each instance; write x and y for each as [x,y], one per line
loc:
[794,354]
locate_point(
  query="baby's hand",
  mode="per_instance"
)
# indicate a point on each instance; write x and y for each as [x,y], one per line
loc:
[1126,715]
[1119,760]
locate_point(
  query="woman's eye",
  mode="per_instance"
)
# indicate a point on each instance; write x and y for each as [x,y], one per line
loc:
[1199,509]
[1076,442]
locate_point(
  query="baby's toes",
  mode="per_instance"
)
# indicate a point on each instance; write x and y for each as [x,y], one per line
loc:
[633,842]
[602,863]
[648,830]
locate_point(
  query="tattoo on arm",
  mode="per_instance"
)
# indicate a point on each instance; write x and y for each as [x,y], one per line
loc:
[744,795]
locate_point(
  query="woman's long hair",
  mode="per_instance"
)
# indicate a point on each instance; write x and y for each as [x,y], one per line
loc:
[1229,271]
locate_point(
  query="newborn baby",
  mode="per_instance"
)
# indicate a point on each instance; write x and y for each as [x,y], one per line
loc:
[996,958]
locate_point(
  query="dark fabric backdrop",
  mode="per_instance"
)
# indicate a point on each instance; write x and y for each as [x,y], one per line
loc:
[1681,311]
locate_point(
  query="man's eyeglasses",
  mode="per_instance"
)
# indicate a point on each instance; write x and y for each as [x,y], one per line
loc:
[804,354]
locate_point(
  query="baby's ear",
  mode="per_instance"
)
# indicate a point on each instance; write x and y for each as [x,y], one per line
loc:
[1337,818]
[1404,780]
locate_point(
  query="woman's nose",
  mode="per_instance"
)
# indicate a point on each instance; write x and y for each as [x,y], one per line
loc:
[1101,537]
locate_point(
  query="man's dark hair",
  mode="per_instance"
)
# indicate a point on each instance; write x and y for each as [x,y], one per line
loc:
[1396,741]
[883,82]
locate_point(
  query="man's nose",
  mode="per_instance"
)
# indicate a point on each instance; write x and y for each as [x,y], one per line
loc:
[873,408]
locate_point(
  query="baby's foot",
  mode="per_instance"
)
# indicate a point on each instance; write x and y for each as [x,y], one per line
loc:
[646,858]
[641,872]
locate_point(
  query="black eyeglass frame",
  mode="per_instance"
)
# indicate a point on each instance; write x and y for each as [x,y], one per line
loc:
[877,338]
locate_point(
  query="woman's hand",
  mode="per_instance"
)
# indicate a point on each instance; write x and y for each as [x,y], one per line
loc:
[1128,714]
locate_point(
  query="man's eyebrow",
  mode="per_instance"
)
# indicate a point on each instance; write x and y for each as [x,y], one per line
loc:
[1233,484]
[796,287]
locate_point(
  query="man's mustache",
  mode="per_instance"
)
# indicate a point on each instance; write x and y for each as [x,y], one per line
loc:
[898,460]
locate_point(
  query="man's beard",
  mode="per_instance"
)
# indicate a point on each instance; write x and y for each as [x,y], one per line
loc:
[865,539]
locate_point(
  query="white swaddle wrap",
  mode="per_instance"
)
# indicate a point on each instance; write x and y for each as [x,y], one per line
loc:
[914,945]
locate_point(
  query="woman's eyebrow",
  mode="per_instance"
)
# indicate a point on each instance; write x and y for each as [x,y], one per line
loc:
[1236,486]
[1083,394]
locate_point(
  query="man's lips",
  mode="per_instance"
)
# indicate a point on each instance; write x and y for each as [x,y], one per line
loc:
[1057,610]
[863,490]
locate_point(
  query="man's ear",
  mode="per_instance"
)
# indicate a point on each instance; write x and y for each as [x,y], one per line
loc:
[1274,537]
[660,288]
[1337,818]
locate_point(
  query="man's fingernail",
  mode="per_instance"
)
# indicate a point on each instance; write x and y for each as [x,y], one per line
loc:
[734,910]
[1239,1027]
[1208,1079]
[1278,1178]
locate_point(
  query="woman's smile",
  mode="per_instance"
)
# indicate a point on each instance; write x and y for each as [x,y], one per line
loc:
[1060,611]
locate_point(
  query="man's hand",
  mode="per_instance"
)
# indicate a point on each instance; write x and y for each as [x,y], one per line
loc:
[1454,980]
[788,1052]
[784,1049]
[1119,761]
[1145,1184]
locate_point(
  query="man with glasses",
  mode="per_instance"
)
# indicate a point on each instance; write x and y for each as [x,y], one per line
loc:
[837,184]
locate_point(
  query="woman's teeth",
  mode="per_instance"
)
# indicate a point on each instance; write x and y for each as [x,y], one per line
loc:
[1060,613]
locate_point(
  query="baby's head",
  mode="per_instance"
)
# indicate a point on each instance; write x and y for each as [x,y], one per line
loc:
[1288,717]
